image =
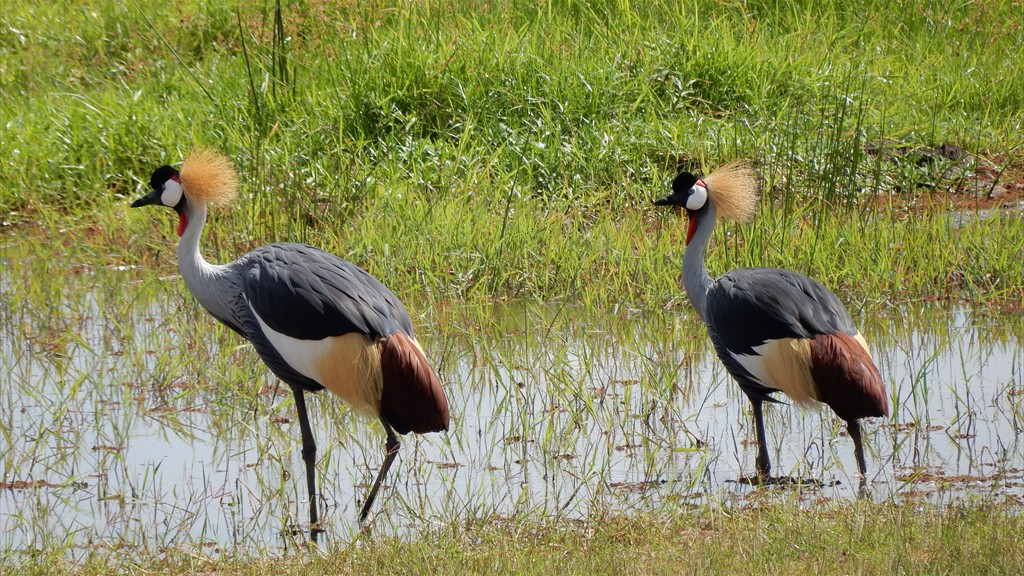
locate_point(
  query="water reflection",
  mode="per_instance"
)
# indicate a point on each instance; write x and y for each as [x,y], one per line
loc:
[131,419]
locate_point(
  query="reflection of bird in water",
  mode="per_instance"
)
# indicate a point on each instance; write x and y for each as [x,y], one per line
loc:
[775,330]
[317,321]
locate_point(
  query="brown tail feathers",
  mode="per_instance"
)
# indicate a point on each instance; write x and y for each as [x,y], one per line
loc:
[847,378]
[412,399]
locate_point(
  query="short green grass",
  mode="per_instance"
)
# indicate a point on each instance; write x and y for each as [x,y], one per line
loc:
[857,539]
[511,149]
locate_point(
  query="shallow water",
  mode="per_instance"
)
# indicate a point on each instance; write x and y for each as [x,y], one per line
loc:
[129,418]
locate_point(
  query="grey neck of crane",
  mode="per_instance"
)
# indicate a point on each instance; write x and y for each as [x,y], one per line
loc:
[695,276]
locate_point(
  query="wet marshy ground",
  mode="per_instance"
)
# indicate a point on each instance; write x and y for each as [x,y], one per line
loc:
[129,418]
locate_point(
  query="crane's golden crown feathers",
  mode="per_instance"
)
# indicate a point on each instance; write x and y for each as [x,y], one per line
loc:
[208,176]
[734,190]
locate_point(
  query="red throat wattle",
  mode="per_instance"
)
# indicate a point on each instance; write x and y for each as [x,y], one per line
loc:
[183,222]
[689,231]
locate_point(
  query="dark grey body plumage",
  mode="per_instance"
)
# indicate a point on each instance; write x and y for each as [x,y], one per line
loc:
[309,294]
[748,307]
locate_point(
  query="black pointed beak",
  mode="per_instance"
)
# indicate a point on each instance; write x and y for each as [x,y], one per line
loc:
[151,198]
[672,199]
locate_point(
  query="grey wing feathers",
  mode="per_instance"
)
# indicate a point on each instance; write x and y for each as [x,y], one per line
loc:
[309,294]
[750,306]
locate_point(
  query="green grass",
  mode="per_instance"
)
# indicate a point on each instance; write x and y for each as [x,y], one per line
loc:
[462,249]
[511,150]
[859,539]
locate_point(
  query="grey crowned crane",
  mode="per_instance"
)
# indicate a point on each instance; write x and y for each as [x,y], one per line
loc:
[775,330]
[317,321]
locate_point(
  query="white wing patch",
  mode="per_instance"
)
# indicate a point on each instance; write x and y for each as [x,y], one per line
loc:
[784,365]
[347,365]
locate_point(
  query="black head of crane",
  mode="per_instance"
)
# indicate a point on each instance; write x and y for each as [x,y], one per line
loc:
[316,320]
[774,330]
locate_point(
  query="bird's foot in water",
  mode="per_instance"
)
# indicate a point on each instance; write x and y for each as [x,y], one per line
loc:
[784,481]
[314,532]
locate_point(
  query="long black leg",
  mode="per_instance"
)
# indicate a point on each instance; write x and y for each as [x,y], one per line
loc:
[853,427]
[763,462]
[391,451]
[309,457]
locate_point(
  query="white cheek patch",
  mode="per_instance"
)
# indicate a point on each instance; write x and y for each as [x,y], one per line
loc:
[171,194]
[698,197]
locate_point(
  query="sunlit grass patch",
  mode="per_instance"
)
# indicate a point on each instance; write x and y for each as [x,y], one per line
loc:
[864,539]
